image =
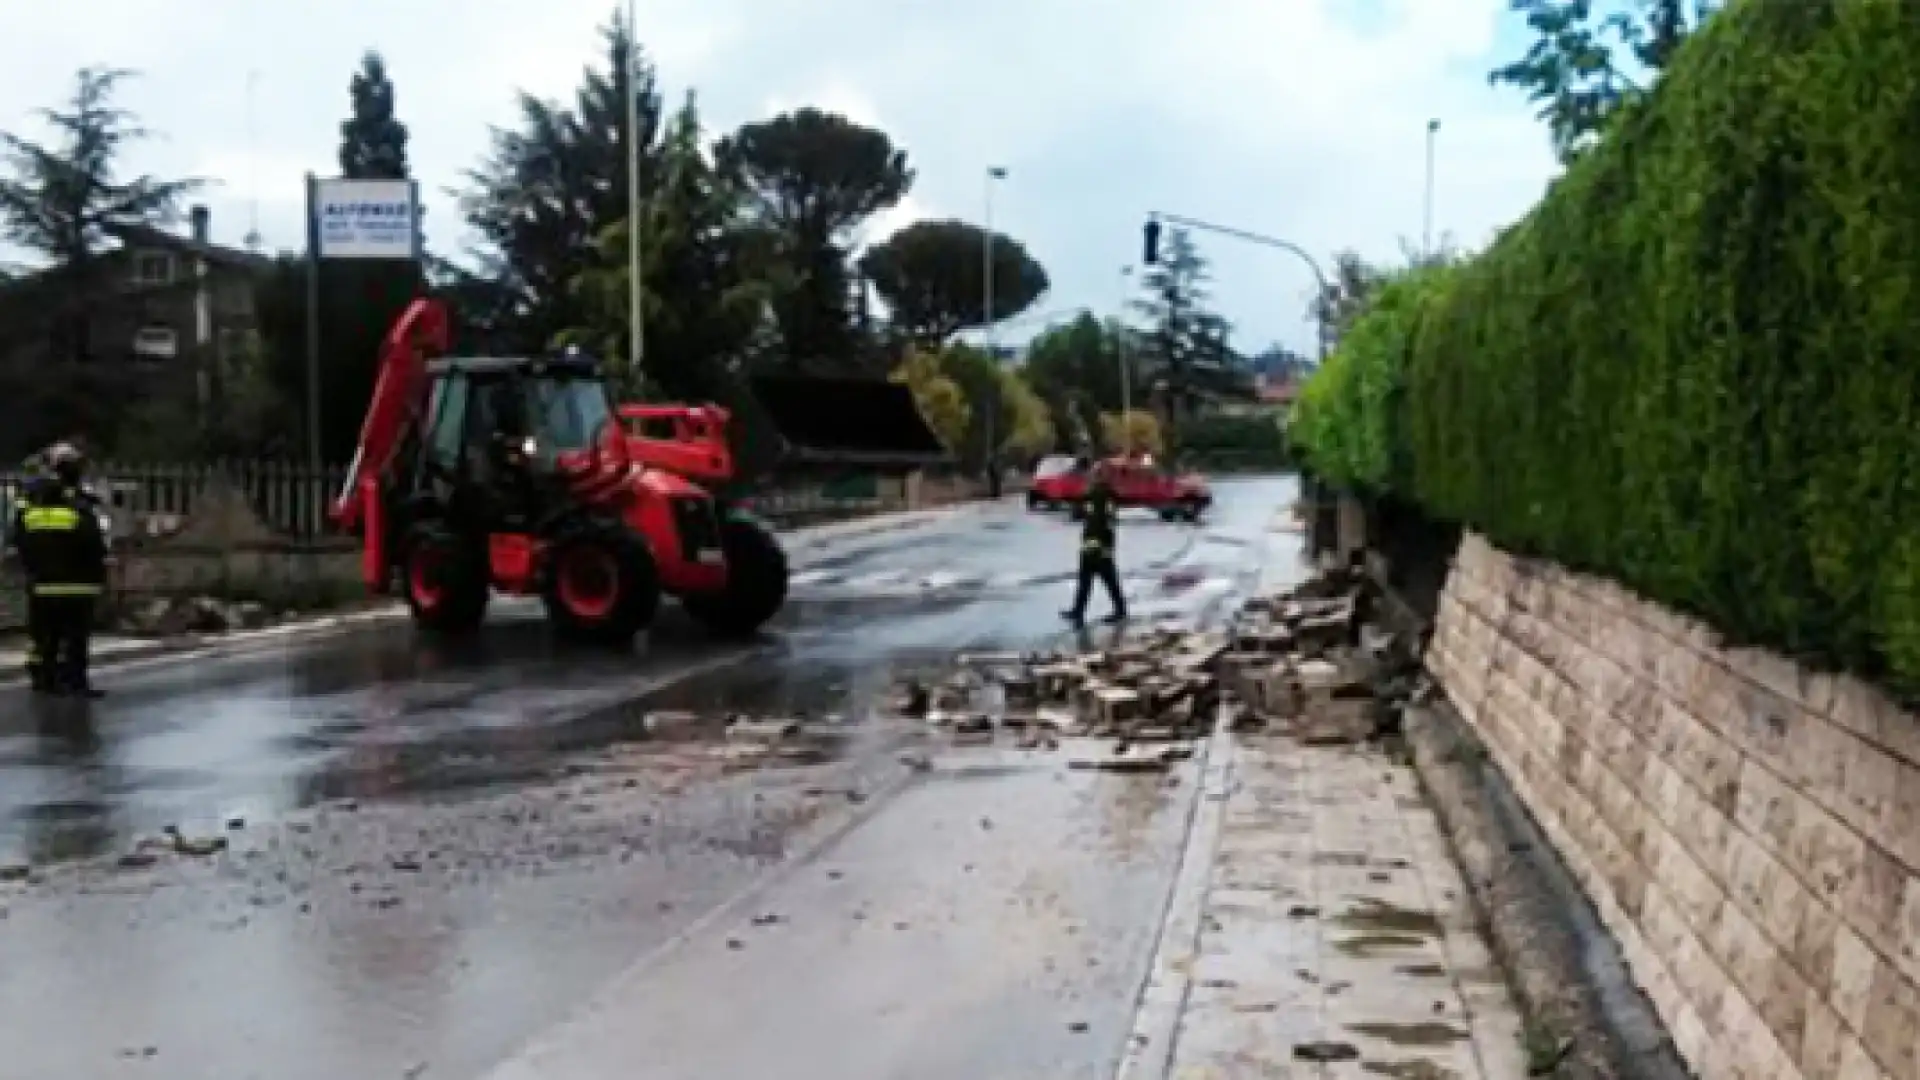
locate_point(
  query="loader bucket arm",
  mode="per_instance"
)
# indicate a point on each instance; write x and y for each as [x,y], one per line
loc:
[847,423]
[422,332]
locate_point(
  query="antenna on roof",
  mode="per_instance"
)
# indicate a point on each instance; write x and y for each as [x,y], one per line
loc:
[253,241]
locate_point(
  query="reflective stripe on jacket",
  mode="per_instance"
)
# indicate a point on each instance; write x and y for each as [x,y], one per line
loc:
[62,547]
[1097,533]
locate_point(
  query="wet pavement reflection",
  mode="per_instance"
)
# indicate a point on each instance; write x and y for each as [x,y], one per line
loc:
[435,851]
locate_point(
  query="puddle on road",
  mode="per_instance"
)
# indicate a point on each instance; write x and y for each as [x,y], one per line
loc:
[1409,1070]
[1376,916]
[1427,1033]
[1367,945]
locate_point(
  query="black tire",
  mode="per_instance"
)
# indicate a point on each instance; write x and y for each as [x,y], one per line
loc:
[1191,509]
[445,579]
[756,582]
[602,586]
[1035,502]
[1077,511]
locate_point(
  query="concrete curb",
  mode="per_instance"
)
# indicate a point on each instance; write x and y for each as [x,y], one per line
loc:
[144,654]
[1568,977]
[617,992]
[1162,1001]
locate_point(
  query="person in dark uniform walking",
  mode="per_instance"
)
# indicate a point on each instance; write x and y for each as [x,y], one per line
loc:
[57,537]
[1097,541]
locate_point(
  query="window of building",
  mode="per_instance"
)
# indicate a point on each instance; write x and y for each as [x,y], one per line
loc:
[155,343]
[153,268]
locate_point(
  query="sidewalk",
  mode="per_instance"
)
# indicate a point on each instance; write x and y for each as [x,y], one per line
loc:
[1331,935]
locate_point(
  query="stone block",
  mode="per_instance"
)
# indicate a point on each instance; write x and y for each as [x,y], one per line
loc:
[1110,707]
[1021,693]
[1058,682]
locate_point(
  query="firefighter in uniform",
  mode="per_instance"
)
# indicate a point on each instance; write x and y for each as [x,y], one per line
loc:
[62,550]
[1097,538]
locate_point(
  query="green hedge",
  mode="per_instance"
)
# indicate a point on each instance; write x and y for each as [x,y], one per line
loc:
[1695,366]
[1349,420]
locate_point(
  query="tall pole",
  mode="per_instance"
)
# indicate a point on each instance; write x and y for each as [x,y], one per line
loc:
[1319,276]
[313,324]
[1126,372]
[636,234]
[994,173]
[1426,217]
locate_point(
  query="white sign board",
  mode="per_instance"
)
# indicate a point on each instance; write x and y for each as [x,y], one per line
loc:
[365,219]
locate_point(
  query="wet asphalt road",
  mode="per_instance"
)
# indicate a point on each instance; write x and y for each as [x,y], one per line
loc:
[436,854]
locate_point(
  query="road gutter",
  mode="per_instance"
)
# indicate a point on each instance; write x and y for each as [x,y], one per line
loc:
[1162,999]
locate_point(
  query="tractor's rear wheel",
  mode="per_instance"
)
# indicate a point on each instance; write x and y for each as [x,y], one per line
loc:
[756,582]
[445,578]
[602,585]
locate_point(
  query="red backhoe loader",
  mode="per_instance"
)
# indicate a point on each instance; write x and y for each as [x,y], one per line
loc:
[518,476]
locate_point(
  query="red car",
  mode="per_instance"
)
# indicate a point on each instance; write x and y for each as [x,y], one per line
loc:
[1057,481]
[1137,482]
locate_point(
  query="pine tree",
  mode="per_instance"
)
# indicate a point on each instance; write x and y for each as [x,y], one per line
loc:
[1186,350]
[546,195]
[63,200]
[373,143]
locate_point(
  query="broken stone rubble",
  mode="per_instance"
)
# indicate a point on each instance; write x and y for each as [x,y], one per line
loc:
[1156,685]
[173,616]
[1306,661]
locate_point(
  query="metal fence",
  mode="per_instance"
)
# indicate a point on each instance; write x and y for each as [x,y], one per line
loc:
[153,500]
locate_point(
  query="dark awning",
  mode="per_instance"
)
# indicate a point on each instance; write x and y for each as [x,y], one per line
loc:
[856,423]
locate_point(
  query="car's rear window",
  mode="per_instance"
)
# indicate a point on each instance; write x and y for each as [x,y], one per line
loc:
[1053,466]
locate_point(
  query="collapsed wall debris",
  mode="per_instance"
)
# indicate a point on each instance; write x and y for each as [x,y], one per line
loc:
[1305,660]
[1309,661]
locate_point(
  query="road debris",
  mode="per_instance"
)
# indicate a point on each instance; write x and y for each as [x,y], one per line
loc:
[1157,685]
[198,847]
[1307,662]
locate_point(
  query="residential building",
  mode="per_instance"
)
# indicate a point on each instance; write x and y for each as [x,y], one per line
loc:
[180,306]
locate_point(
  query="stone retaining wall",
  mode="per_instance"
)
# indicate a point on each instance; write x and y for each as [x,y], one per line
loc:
[1749,831]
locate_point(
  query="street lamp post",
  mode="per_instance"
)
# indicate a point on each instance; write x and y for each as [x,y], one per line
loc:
[636,315]
[1426,217]
[1288,246]
[1126,373]
[994,172]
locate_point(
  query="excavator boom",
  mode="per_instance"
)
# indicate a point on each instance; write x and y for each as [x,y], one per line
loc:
[423,331]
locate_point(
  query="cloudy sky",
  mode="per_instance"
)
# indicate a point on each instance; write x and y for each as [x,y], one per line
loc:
[1304,119]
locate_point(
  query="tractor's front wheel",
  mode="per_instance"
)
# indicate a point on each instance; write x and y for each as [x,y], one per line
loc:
[445,579]
[602,585]
[756,582]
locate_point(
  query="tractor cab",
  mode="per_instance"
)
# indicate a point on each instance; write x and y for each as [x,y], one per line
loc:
[506,441]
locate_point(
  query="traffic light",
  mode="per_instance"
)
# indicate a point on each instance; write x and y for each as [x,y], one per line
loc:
[1152,238]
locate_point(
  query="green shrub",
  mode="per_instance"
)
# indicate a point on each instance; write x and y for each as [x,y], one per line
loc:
[1347,421]
[1695,366]
[1234,441]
